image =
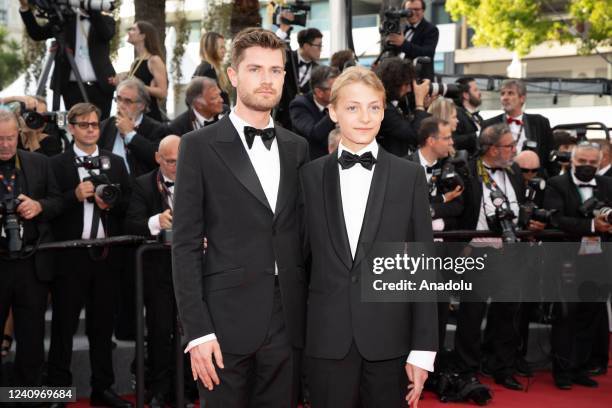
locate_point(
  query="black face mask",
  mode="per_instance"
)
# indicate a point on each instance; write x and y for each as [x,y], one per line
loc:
[585,173]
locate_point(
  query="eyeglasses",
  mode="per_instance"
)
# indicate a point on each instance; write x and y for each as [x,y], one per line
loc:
[316,45]
[127,101]
[510,146]
[86,125]
[525,170]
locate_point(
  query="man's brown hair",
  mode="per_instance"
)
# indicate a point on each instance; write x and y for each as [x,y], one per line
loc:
[81,109]
[254,37]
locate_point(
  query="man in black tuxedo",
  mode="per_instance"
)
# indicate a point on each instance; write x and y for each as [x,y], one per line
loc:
[469,121]
[132,135]
[605,167]
[577,326]
[524,126]
[150,212]
[86,277]
[363,353]
[88,35]
[309,115]
[24,282]
[204,107]
[242,303]
[420,37]
[298,69]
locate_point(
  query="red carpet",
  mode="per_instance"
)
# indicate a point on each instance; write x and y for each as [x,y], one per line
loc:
[542,393]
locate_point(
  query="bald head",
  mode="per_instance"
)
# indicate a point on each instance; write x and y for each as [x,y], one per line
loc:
[167,155]
[529,162]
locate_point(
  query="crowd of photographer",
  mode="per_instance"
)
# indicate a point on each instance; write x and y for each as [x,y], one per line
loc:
[117,176]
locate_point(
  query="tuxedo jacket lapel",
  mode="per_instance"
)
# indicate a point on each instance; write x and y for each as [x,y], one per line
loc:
[288,174]
[334,212]
[231,150]
[530,132]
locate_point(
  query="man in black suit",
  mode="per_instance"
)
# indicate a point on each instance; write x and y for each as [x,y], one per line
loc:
[237,185]
[420,37]
[524,126]
[88,34]
[469,121]
[24,282]
[309,115]
[132,135]
[86,277]
[577,326]
[150,212]
[363,353]
[204,107]
[605,167]
[298,69]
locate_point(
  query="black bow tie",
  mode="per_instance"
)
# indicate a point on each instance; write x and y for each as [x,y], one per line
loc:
[348,160]
[586,186]
[429,169]
[304,63]
[267,136]
[169,183]
[494,169]
[84,17]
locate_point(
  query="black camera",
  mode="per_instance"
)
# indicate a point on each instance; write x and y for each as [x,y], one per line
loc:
[560,157]
[391,23]
[299,10]
[10,221]
[529,210]
[107,191]
[35,120]
[452,173]
[501,220]
[62,5]
[424,69]
[596,208]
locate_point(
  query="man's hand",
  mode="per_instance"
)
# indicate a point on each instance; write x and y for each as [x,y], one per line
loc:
[417,377]
[395,39]
[536,225]
[100,203]
[124,123]
[202,365]
[420,92]
[84,190]
[601,225]
[28,208]
[451,195]
[165,219]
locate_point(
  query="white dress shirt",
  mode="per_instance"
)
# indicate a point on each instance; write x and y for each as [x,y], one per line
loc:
[88,208]
[603,170]
[121,142]
[200,120]
[438,223]
[355,185]
[518,132]
[154,224]
[267,167]
[81,53]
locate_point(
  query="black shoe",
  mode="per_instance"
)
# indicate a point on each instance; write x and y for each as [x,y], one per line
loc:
[108,398]
[585,381]
[158,401]
[522,368]
[509,382]
[563,382]
[477,392]
[595,371]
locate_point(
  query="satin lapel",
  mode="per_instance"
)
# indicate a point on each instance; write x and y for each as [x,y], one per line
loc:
[231,150]
[374,208]
[288,169]
[332,199]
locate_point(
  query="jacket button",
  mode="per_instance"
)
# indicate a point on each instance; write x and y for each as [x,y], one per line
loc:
[354,278]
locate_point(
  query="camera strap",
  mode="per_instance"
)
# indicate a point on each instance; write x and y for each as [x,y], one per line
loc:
[10,180]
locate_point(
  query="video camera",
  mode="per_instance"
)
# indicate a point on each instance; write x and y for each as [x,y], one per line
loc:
[529,210]
[56,10]
[107,191]
[452,173]
[596,208]
[35,120]
[299,10]
[501,220]
[424,69]
[560,157]
[391,23]
[10,221]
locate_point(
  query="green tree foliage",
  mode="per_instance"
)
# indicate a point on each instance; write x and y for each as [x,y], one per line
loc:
[11,63]
[519,25]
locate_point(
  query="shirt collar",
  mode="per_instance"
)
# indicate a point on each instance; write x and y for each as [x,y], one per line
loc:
[603,171]
[519,117]
[321,107]
[81,153]
[424,161]
[138,120]
[301,59]
[578,182]
[201,119]
[372,147]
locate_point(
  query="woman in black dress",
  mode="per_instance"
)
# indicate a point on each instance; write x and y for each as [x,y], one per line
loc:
[149,65]
[212,52]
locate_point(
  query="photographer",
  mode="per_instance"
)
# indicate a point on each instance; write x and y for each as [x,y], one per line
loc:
[298,69]
[309,112]
[87,277]
[29,199]
[88,34]
[131,134]
[469,120]
[575,326]
[398,132]
[204,107]
[563,143]
[420,37]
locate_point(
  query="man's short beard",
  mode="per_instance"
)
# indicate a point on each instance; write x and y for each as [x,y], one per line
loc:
[251,102]
[475,102]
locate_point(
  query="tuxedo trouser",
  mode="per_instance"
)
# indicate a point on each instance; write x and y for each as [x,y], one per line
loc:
[21,290]
[98,97]
[267,378]
[354,382]
[81,281]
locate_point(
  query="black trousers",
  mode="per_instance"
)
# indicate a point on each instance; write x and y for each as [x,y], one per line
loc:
[21,290]
[266,378]
[80,282]
[103,100]
[354,382]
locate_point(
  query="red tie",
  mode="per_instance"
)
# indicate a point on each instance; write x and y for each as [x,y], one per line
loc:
[511,120]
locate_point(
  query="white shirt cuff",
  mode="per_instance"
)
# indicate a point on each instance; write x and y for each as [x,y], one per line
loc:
[422,359]
[128,138]
[281,34]
[154,227]
[200,340]
[593,225]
